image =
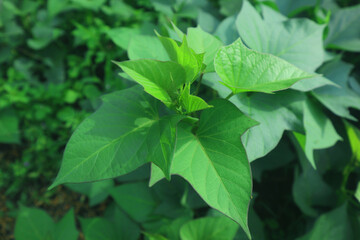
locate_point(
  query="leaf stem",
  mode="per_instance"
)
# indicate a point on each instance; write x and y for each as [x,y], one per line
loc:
[229,96]
[199,83]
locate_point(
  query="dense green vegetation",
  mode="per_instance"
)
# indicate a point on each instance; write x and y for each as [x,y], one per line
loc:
[242,116]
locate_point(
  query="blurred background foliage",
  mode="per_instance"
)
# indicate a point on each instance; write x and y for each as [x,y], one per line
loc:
[55,64]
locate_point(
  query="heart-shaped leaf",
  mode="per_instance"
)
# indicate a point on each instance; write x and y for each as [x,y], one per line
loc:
[245,70]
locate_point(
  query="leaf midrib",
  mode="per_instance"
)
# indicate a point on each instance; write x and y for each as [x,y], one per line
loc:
[150,122]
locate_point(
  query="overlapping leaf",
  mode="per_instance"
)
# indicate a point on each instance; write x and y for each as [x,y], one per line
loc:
[203,42]
[338,98]
[123,134]
[320,132]
[214,161]
[344,31]
[275,113]
[185,56]
[298,41]
[244,70]
[160,79]
[192,103]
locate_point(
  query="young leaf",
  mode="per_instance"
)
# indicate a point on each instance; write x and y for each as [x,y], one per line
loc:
[214,161]
[245,70]
[209,228]
[183,55]
[123,134]
[190,102]
[159,79]
[203,42]
[354,139]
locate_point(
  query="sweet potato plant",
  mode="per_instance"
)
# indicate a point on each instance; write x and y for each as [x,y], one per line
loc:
[210,111]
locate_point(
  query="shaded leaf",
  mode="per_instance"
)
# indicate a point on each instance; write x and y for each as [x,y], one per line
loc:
[135,199]
[338,98]
[344,31]
[334,225]
[66,227]
[9,126]
[209,228]
[97,228]
[320,132]
[96,191]
[33,224]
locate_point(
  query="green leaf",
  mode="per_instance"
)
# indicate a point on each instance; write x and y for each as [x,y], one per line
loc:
[245,70]
[290,7]
[183,55]
[275,113]
[203,42]
[97,228]
[338,98]
[159,79]
[309,190]
[320,132]
[298,41]
[122,37]
[230,7]
[66,227]
[354,139]
[96,191]
[190,102]
[9,126]
[344,31]
[135,199]
[123,134]
[214,161]
[334,225]
[33,224]
[146,47]
[125,228]
[226,30]
[357,192]
[155,236]
[209,228]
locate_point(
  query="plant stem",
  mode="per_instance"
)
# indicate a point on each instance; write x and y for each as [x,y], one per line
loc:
[229,96]
[198,85]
